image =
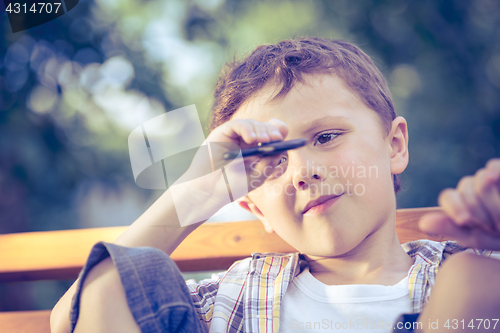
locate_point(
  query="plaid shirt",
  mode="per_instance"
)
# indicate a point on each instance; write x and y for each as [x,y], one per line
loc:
[247,297]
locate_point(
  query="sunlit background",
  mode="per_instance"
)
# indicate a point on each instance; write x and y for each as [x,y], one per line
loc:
[73,89]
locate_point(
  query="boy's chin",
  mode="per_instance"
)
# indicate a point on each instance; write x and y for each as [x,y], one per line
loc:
[329,251]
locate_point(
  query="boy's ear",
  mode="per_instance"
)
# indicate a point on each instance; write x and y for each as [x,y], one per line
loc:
[247,203]
[398,145]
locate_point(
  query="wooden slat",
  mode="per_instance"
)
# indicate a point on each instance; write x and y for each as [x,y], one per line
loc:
[48,255]
[407,224]
[25,322]
[61,254]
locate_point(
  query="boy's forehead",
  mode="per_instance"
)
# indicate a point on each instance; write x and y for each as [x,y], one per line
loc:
[258,106]
[319,98]
[313,88]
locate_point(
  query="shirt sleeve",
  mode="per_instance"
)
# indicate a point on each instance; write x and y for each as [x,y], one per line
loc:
[203,295]
[452,247]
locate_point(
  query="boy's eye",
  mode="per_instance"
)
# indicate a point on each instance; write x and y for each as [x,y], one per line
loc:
[279,169]
[323,138]
[282,160]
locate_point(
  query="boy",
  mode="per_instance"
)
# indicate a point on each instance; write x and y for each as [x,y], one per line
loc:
[333,200]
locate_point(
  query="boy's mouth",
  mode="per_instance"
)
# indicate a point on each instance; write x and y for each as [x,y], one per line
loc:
[319,205]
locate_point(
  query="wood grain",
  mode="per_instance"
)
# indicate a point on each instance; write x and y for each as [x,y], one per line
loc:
[25,322]
[61,254]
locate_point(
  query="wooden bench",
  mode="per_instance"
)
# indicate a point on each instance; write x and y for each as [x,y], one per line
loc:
[61,254]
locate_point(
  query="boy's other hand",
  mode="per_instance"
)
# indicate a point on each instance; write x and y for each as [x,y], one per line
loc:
[471,211]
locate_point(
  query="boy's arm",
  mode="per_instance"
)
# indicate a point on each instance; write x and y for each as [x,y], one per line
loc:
[471,211]
[198,198]
[160,226]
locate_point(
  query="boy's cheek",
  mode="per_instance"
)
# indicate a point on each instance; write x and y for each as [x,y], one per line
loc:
[364,176]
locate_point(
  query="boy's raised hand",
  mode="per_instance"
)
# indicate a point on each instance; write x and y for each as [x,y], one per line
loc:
[247,133]
[471,211]
[210,182]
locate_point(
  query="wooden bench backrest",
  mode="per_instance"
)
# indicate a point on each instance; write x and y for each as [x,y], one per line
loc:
[61,254]
[213,246]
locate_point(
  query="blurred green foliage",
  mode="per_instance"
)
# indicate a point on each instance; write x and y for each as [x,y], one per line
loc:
[72,89]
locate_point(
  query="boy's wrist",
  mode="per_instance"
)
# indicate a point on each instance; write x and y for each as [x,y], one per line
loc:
[198,199]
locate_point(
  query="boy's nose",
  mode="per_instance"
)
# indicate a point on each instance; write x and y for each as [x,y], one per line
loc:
[307,173]
[303,182]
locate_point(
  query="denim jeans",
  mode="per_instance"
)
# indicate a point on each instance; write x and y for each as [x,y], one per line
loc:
[155,289]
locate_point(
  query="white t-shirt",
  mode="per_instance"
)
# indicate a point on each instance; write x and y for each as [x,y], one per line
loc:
[312,306]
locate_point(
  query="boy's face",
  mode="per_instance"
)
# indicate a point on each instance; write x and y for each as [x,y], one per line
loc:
[348,159]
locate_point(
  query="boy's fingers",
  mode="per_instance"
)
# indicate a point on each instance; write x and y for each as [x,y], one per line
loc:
[478,211]
[281,126]
[267,132]
[441,224]
[274,130]
[237,129]
[493,166]
[260,130]
[487,188]
[252,131]
[455,207]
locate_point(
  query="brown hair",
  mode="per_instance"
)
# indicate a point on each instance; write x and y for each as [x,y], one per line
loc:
[285,64]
